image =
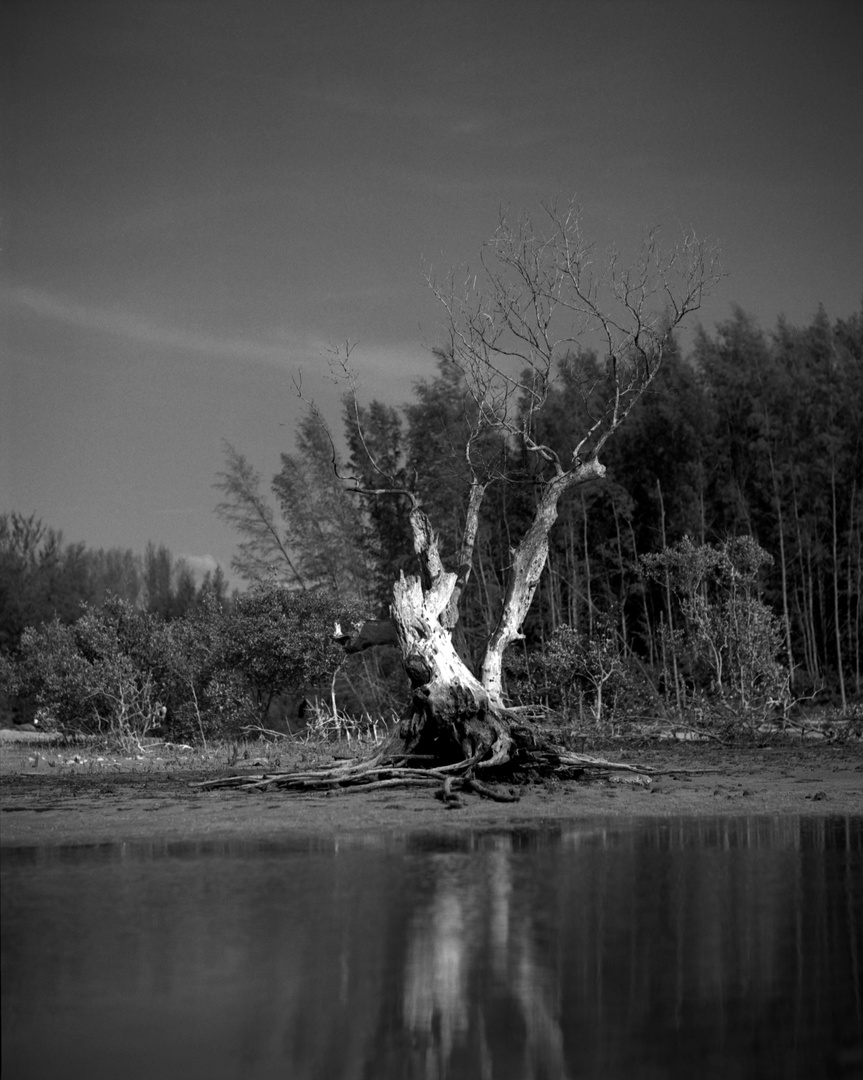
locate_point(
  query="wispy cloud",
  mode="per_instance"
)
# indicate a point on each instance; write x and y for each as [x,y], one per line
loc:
[447,113]
[362,100]
[287,349]
[393,367]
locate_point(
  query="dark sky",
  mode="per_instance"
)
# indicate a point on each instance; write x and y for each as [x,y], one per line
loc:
[199,196]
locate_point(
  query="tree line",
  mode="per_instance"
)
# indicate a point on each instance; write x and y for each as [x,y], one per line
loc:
[43,576]
[753,434]
[717,564]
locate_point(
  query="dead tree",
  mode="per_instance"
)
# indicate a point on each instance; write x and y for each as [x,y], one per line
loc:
[539,300]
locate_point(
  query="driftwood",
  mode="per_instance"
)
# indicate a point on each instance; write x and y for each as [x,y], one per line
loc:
[384,771]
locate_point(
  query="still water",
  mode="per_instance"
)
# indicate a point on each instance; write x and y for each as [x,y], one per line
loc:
[692,948]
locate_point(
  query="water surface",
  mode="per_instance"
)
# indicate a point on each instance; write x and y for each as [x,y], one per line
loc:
[691,948]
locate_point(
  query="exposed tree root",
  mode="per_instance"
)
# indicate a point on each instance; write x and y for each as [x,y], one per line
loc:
[389,770]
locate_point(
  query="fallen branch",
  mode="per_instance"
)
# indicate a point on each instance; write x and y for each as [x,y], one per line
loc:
[378,772]
[366,775]
[582,761]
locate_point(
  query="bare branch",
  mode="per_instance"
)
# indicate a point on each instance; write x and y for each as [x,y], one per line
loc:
[541,295]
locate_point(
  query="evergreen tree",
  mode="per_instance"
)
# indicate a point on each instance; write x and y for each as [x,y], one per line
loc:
[264,550]
[31,566]
[323,526]
[158,585]
[375,439]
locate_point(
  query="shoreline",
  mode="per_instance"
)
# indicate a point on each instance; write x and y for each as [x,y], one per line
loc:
[113,805]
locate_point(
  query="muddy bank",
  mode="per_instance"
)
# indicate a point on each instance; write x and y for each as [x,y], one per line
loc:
[98,806]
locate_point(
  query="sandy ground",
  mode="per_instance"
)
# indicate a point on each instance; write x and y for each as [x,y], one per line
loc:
[115,800]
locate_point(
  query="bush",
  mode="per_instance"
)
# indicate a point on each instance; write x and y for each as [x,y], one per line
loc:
[725,652]
[584,671]
[206,698]
[719,658]
[98,675]
[282,641]
[119,671]
[589,678]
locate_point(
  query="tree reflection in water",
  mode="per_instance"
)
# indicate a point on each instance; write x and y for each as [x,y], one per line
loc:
[471,971]
[693,946]
[729,947]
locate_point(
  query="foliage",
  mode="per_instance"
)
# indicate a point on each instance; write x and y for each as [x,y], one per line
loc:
[169,589]
[728,645]
[720,653]
[785,466]
[42,578]
[757,434]
[281,640]
[587,679]
[375,438]
[577,663]
[323,527]
[315,538]
[206,699]
[263,551]
[120,671]
[100,674]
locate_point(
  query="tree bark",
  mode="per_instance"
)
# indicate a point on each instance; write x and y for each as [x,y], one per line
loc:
[451,716]
[529,559]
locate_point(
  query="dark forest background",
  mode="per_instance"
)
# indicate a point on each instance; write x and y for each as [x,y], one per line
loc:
[753,434]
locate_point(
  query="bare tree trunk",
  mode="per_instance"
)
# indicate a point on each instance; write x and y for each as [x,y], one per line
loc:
[675,672]
[451,716]
[783,565]
[552,605]
[805,599]
[854,628]
[587,586]
[837,624]
[621,594]
[572,572]
[648,625]
[528,561]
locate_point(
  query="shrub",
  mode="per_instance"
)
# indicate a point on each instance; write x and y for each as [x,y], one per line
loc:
[281,641]
[206,699]
[213,672]
[726,649]
[98,675]
[586,671]
[591,678]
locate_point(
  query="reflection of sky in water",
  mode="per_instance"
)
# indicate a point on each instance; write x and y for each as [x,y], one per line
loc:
[727,947]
